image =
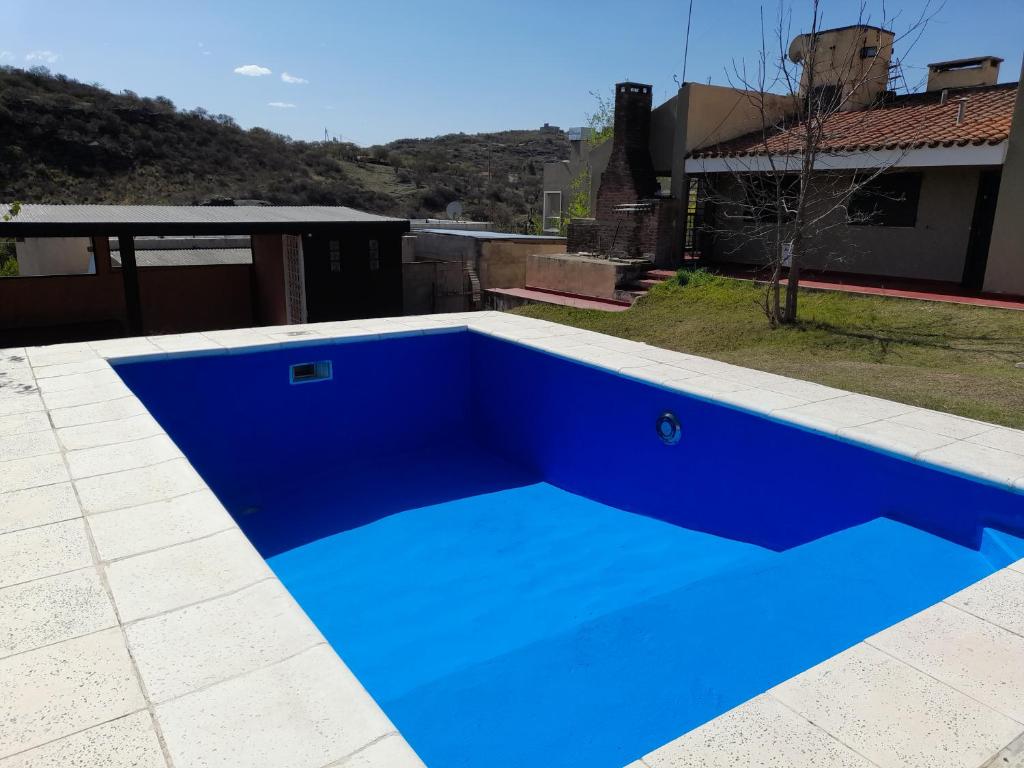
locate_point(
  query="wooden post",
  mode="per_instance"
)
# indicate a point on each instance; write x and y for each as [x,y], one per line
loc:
[101,254]
[130,273]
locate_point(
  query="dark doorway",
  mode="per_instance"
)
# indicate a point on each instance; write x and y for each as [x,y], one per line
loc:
[981,230]
[352,273]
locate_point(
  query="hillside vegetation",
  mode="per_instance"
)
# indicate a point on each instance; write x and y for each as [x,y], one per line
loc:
[62,141]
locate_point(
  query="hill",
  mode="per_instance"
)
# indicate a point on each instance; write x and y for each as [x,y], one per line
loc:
[62,141]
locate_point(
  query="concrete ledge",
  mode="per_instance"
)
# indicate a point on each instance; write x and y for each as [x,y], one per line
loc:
[577,274]
[129,598]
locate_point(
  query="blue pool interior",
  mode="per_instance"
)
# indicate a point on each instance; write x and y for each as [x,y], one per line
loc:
[501,548]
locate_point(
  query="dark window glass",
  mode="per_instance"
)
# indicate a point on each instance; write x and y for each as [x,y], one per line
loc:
[374,255]
[824,99]
[334,250]
[887,201]
[766,193]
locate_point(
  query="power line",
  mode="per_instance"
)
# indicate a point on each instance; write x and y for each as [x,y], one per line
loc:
[686,47]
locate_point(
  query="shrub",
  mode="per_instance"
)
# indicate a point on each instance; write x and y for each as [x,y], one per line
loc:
[696,278]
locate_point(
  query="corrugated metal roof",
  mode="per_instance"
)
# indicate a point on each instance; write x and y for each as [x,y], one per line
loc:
[477,234]
[187,257]
[192,214]
[44,220]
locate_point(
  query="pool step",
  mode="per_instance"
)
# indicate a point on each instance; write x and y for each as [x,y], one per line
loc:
[1001,548]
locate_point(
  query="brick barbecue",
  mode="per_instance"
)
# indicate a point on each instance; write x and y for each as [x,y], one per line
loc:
[632,221]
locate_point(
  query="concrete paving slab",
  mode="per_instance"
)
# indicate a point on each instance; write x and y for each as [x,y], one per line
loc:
[306,712]
[61,689]
[194,647]
[128,742]
[170,578]
[46,550]
[895,715]
[160,524]
[53,609]
[41,505]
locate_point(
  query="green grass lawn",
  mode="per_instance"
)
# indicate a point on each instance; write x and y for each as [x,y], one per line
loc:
[949,357]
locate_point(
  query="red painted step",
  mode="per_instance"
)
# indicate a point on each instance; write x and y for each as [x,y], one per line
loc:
[563,299]
[660,275]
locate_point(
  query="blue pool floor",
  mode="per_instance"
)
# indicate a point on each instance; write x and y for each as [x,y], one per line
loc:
[503,621]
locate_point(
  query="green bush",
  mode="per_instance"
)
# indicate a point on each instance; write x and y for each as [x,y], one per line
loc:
[696,278]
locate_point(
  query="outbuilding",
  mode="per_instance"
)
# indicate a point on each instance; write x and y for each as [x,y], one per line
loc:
[307,264]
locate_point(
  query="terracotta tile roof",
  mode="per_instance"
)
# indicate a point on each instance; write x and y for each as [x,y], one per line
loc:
[906,122]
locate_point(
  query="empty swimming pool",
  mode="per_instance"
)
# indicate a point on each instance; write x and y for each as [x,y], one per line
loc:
[519,566]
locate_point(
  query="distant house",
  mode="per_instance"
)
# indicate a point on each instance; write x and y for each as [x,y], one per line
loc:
[953,155]
[95,271]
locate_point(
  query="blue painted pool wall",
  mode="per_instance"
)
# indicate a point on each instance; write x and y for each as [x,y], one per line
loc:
[734,473]
[591,432]
[385,397]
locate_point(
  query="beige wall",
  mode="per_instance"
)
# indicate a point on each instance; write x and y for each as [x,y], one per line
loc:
[579,275]
[986,73]
[503,262]
[499,263]
[716,113]
[434,286]
[54,256]
[663,135]
[837,61]
[558,176]
[1005,270]
[444,247]
[709,115]
[934,249]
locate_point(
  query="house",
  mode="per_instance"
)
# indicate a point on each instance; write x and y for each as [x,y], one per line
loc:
[950,159]
[97,271]
[579,175]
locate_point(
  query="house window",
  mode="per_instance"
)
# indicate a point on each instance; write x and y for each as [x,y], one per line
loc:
[334,252]
[824,99]
[766,194]
[552,211]
[374,256]
[869,51]
[890,200]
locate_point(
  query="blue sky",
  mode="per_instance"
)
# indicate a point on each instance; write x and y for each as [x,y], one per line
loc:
[377,71]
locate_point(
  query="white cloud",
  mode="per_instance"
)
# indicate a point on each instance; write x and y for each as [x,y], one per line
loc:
[6,56]
[281,105]
[252,70]
[293,79]
[46,56]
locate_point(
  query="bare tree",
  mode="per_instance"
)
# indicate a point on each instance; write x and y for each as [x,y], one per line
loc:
[787,195]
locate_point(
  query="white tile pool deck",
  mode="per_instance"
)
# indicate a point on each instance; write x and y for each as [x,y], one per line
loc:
[138,627]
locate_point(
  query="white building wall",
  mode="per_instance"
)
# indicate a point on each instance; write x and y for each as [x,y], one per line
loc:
[55,256]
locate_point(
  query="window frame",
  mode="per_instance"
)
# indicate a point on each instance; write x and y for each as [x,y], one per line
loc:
[900,195]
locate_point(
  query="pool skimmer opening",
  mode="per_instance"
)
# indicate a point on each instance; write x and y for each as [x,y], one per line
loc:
[668,428]
[301,373]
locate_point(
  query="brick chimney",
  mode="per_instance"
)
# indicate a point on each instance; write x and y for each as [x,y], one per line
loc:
[629,176]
